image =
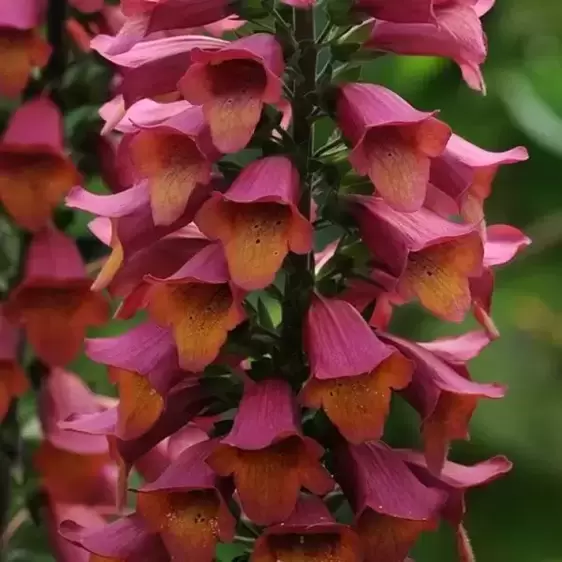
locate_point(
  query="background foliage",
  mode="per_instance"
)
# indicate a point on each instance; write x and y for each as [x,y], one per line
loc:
[518,519]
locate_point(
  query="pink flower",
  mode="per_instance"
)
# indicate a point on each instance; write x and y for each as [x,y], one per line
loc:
[127,538]
[186,507]
[393,143]
[257,221]
[22,47]
[200,304]
[232,84]
[442,390]
[432,258]
[310,531]
[268,456]
[503,243]
[35,173]
[174,156]
[407,11]
[392,507]
[465,172]
[74,469]
[53,302]
[457,34]
[455,480]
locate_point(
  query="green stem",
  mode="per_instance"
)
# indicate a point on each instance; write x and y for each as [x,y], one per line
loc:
[299,282]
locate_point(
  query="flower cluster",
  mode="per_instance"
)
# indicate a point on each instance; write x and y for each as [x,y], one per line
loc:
[267,265]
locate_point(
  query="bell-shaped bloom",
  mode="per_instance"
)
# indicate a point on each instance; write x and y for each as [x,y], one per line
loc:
[126,224]
[407,11]
[441,390]
[22,47]
[232,84]
[186,508]
[310,533]
[503,243]
[53,514]
[455,480]
[35,174]
[358,405]
[456,34]
[74,469]
[13,382]
[126,539]
[166,15]
[431,257]
[174,157]
[53,302]
[393,143]
[258,221]
[392,507]
[268,456]
[182,404]
[465,173]
[143,362]
[151,69]
[200,305]
[339,342]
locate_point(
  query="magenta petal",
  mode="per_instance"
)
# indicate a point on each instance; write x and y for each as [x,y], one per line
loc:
[22,128]
[391,235]
[99,423]
[458,350]
[188,471]
[339,342]
[206,266]
[186,437]
[254,182]
[267,414]
[149,113]
[406,11]
[112,206]
[127,538]
[503,243]
[24,14]
[375,476]
[455,479]
[146,349]
[52,257]
[63,395]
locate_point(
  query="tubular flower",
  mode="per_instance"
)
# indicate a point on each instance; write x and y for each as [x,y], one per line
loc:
[185,506]
[126,225]
[35,174]
[127,539]
[178,14]
[355,396]
[173,157]
[271,465]
[53,302]
[392,507]
[21,46]
[74,469]
[444,397]
[455,480]
[393,143]
[456,34]
[200,305]
[13,382]
[258,222]
[310,533]
[409,11]
[232,84]
[465,172]
[503,243]
[431,258]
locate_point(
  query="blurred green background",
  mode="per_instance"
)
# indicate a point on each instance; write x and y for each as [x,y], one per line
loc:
[519,518]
